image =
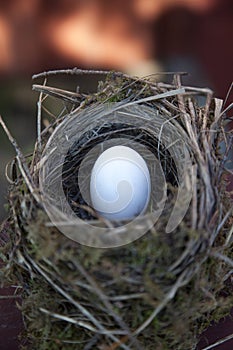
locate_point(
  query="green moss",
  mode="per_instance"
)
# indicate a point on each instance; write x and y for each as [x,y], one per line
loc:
[190,311]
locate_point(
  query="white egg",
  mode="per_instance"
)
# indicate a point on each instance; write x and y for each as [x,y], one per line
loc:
[120,184]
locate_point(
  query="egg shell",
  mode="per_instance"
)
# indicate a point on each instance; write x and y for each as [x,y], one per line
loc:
[120,184]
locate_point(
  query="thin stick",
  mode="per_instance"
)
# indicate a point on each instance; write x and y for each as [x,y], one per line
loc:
[68,96]
[16,147]
[222,257]
[39,104]
[221,341]
[190,88]
[155,97]
[228,94]
[228,239]
[9,297]
[73,71]
[80,323]
[78,71]
[21,162]
[227,109]
[27,181]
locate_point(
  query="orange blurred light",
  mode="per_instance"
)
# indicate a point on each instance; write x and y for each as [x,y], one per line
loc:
[109,44]
[5,47]
[114,36]
[150,9]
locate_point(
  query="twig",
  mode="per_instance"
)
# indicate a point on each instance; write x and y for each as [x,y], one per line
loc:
[80,323]
[73,71]
[219,342]
[20,155]
[68,96]
[27,181]
[220,226]
[39,103]
[203,91]
[222,257]
[21,163]
[229,236]
[9,297]
[227,109]
[155,97]
[127,296]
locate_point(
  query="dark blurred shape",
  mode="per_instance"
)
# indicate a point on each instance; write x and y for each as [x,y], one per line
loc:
[216,332]
[11,319]
[37,35]
[202,38]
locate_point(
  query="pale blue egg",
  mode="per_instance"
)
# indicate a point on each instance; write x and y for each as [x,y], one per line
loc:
[120,184]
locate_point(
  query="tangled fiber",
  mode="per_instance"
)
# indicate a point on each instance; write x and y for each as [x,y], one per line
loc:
[121,289]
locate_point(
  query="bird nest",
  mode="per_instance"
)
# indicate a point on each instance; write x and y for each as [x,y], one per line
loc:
[153,282]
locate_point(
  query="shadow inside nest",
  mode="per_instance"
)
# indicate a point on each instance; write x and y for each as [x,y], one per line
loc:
[78,151]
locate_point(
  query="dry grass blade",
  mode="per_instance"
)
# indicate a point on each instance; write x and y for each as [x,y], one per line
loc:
[22,163]
[219,342]
[68,96]
[80,323]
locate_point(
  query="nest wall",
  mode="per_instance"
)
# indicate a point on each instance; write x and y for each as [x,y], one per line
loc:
[161,289]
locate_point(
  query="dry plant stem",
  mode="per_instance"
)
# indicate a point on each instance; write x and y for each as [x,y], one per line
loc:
[229,237]
[81,323]
[219,342]
[7,297]
[39,103]
[28,183]
[228,94]
[68,96]
[73,71]
[116,345]
[127,296]
[155,97]
[220,226]
[82,309]
[227,109]
[203,91]
[194,202]
[78,71]
[17,149]
[222,257]
[22,163]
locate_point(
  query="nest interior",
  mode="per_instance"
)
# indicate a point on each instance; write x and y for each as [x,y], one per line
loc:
[157,292]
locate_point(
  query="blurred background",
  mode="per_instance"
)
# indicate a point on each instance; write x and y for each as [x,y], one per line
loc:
[139,37]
